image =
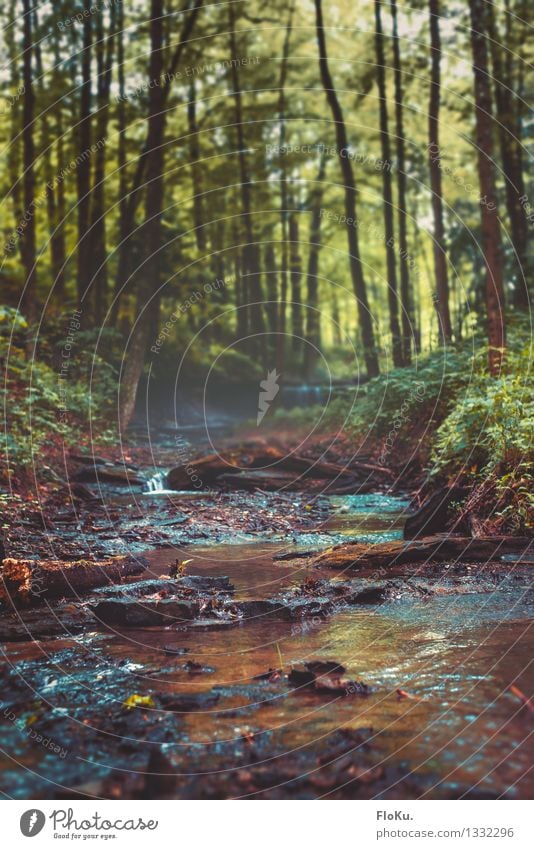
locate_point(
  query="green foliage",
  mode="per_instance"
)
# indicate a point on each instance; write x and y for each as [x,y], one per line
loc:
[41,403]
[491,426]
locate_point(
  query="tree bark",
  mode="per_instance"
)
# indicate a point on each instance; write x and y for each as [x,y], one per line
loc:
[251,257]
[196,172]
[27,239]
[313,315]
[508,113]
[271,307]
[491,233]
[356,268]
[104,56]
[284,202]
[406,294]
[83,170]
[440,257]
[148,277]
[387,192]
[295,276]
[133,196]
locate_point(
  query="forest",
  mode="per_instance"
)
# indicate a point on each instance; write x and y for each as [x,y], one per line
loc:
[266,344]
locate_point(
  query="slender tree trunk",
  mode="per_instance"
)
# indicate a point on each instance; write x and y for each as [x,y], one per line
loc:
[27,239]
[406,295]
[356,268]
[295,276]
[196,168]
[83,170]
[134,194]
[104,56]
[55,230]
[440,258]
[387,192]
[271,307]
[313,315]
[491,234]
[60,253]
[251,257]
[124,223]
[148,277]
[284,201]
[508,107]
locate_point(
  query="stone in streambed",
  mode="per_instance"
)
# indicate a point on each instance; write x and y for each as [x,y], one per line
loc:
[146,613]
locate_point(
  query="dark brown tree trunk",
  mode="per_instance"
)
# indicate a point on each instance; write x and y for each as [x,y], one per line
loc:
[104,56]
[83,171]
[313,315]
[27,239]
[295,276]
[508,113]
[148,276]
[406,295]
[284,202]
[55,229]
[271,306]
[124,250]
[491,233]
[440,257]
[134,195]
[149,273]
[356,268]
[196,168]
[387,192]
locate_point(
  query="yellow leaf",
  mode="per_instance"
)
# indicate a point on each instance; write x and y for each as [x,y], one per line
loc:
[135,700]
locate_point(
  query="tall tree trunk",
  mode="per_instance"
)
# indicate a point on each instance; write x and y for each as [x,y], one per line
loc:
[148,277]
[271,306]
[55,229]
[124,224]
[284,201]
[27,240]
[406,295]
[149,274]
[251,256]
[196,168]
[295,276]
[83,171]
[134,194]
[491,233]
[387,192]
[440,258]
[59,250]
[104,56]
[508,113]
[356,268]
[313,315]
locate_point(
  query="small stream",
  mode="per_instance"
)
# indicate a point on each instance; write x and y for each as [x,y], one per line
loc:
[455,656]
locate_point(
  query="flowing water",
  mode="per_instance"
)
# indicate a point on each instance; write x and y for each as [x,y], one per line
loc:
[455,656]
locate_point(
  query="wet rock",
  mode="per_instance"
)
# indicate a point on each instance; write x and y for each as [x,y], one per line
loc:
[175,650]
[41,623]
[326,678]
[101,474]
[146,613]
[436,514]
[205,583]
[188,702]
[449,547]
[28,582]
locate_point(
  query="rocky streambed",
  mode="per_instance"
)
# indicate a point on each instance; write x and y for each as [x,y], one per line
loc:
[302,649]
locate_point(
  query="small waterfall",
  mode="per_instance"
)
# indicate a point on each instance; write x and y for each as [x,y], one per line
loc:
[156,483]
